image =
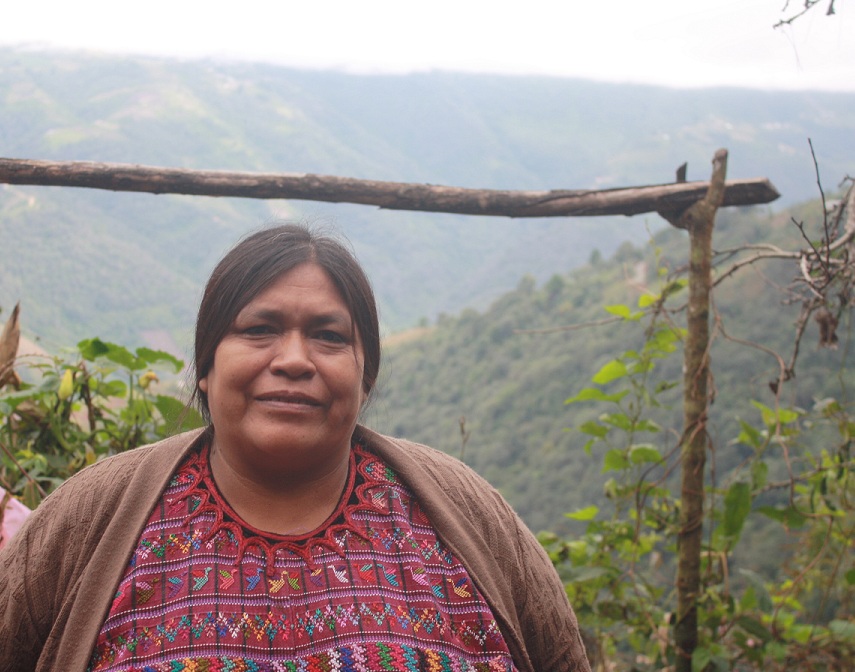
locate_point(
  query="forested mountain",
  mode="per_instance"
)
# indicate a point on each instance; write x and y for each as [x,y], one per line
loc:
[507,370]
[128,267]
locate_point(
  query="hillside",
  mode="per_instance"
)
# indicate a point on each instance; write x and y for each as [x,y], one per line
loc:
[510,385]
[129,266]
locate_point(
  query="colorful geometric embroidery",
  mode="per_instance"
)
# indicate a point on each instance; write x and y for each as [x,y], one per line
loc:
[372,589]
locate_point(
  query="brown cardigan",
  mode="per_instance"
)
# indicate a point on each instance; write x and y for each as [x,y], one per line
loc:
[59,573]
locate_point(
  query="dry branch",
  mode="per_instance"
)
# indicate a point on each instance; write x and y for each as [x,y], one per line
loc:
[10,338]
[389,195]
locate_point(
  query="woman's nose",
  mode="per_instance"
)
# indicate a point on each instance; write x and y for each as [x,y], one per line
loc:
[292,356]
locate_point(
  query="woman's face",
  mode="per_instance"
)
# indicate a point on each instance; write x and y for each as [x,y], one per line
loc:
[285,387]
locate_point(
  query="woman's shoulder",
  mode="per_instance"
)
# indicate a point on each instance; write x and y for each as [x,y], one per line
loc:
[434,474]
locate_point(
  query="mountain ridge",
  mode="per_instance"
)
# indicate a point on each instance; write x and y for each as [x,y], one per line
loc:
[124,264]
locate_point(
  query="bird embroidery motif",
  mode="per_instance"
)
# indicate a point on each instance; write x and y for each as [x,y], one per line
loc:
[340,573]
[144,590]
[366,572]
[315,576]
[200,577]
[293,580]
[175,585]
[252,581]
[390,576]
[420,575]
[226,578]
[276,584]
[459,587]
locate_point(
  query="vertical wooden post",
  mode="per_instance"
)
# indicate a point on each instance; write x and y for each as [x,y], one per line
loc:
[698,220]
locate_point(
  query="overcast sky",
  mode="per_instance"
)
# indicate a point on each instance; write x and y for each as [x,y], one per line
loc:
[683,43]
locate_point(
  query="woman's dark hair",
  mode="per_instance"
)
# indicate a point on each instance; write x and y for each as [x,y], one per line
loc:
[255,263]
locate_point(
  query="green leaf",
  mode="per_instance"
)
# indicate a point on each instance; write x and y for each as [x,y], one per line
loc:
[737,506]
[95,348]
[786,415]
[759,475]
[588,513]
[153,356]
[620,310]
[124,357]
[850,577]
[801,633]
[619,420]
[611,371]
[754,627]
[764,602]
[31,496]
[647,299]
[113,388]
[748,601]
[701,657]
[771,418]
[176,415]
[594,429]
[675,286]
[647,426]
[776,651]
[666,385]
[644,452]
[624,311]
[749,435]
[615,460]
[580,574]
[787,516]
[169,407]
[843,629]
[663,341]
[92,348]
[595,394]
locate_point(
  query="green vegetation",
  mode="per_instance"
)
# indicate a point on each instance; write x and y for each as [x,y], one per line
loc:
[92,403]
[619,572]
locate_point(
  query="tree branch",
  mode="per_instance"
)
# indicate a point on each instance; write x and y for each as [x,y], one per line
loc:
[390,195]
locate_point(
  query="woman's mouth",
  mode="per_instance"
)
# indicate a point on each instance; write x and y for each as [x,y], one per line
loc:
[288,399]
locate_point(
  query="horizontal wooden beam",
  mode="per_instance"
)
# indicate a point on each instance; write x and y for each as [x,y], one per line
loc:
[390,195]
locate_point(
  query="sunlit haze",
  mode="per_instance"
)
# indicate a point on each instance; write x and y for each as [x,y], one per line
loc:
[676,43]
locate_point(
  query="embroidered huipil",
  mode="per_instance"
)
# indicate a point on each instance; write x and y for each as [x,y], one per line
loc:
[372,589]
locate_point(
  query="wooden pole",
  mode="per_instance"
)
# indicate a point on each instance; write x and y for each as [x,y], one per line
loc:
[671,198]
[698,221]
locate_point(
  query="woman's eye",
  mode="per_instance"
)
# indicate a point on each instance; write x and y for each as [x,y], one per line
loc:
[331,336]
[258,330]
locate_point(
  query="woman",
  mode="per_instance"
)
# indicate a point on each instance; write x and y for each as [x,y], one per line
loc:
[284,536]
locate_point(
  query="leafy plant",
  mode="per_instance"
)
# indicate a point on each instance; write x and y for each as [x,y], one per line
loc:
[619,572]
[97,401]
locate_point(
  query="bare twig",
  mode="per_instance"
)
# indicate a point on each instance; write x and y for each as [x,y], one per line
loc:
[809,5]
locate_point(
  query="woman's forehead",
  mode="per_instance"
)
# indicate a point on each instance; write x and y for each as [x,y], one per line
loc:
[307,283]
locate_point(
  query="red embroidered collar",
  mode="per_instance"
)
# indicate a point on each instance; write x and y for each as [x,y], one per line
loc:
[197,488]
